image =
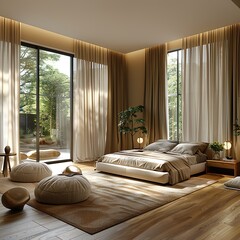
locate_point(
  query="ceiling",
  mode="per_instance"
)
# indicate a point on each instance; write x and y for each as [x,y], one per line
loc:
[123,25]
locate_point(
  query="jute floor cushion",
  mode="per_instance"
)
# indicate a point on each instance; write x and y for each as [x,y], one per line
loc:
[233,183]
[30,172]
[15,198]
[63,189]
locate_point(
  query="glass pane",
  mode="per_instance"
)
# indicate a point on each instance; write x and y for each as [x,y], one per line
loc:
[172,117]
[180,118]
[54,91]
[28,76]
[174,95]
[180,72]
[172,73]
[180,95]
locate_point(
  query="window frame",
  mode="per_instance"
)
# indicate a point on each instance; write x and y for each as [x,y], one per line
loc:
[38,49]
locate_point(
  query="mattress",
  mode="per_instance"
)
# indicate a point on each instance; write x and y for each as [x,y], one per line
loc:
[152,176]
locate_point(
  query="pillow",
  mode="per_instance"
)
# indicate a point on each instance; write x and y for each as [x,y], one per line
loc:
[209,152]
[186,148]
[166,140]
[200,157]
[161,146]
[233,183]
[202,146]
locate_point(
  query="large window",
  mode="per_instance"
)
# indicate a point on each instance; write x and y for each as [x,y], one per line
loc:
[45,103]
[174,95]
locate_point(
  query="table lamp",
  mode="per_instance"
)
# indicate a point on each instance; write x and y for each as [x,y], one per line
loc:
[140,141]
[227,146]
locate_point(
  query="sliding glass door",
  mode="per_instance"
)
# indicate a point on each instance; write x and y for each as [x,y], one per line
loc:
[45,104]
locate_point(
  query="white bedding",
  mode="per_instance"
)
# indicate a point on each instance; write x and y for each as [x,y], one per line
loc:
[175,165]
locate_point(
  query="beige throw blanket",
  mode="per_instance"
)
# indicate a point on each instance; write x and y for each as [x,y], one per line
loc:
[176,165]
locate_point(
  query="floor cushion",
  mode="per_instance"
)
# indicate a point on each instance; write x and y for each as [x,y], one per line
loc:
[63,189]
[30,172]
[233,183]
[15,198]
[44,154]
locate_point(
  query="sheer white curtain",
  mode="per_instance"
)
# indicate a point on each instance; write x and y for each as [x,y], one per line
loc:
[90,101]
[206,88]
[9,84]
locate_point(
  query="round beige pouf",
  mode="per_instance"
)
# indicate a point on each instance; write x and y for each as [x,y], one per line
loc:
[15,198]
[30,172]
[63,189]
[72,169]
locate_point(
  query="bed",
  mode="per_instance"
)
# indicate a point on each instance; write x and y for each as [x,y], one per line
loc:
[163,161]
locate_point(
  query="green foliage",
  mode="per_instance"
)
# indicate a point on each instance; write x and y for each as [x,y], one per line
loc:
[130,122]
[216,146]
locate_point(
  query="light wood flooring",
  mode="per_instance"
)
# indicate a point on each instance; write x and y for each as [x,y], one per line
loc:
[212,213]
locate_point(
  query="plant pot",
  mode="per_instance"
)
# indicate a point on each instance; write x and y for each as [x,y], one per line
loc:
[216,155]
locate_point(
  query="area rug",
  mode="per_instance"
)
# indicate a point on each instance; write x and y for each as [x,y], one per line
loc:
[114,200]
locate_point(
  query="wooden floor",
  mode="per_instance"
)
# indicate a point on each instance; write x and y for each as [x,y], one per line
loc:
[212,213]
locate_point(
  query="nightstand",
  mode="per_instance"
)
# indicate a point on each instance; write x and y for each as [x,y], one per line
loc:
[224,164]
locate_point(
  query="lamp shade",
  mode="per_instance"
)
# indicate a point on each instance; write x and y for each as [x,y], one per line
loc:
[227,145]
[140,140]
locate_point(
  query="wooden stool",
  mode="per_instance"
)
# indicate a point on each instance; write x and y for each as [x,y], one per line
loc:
[6,162]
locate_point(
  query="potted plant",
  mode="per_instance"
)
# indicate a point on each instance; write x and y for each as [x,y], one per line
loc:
[131,123]
[217,148]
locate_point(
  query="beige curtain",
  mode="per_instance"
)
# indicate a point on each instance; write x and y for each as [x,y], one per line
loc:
[9,84]
[156,93]
[207,87]
[117,100]
[90,101]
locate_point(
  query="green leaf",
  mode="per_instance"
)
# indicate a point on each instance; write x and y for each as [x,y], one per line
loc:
[130,122]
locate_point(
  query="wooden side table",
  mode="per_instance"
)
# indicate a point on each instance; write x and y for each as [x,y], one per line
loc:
[6,162]
[225,164]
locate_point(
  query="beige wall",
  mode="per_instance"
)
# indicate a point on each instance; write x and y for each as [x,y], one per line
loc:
[174,45]
[45,38]
[136,74]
